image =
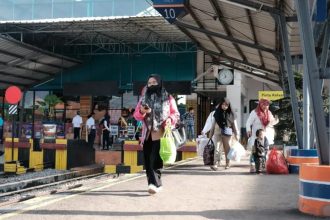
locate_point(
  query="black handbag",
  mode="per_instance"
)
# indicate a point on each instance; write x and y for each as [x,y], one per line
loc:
[179,135]
[208,153]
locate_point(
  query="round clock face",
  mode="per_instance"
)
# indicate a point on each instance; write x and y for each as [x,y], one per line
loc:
[226,76]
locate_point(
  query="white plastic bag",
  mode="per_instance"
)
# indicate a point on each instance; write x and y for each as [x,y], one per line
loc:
[236,151]
[250,143]
[201,142]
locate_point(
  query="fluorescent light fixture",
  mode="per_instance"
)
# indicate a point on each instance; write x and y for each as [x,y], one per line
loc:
[259,72]
[241,5]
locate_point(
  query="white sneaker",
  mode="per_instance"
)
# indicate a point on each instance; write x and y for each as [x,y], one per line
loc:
[152,189]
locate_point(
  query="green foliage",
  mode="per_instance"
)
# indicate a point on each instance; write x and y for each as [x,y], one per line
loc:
[48,105]
[285,114]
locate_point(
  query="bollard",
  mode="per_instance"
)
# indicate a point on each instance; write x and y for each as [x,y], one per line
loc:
[299,156]
[314,189]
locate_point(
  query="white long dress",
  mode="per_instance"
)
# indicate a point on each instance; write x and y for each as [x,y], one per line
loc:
[255,123]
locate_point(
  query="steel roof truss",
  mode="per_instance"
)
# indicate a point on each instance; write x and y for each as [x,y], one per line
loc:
[254,35]
[238,61]
[3,73]
[30,59]
[194,16]
[249,73]
[225,37]
[223,22]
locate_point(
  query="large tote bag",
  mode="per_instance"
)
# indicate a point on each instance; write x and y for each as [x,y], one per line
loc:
[167,147]
[208,153]
[179,135]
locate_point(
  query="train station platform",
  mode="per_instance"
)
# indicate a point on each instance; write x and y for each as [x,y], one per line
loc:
[190,191]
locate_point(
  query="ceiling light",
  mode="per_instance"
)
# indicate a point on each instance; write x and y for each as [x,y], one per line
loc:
[259,72]
[241,5]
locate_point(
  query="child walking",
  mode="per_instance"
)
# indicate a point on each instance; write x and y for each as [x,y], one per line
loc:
[260,149]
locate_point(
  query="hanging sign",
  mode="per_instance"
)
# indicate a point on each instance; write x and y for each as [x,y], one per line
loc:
[271,95]
[170,9]
[12,110]
[13,95]
[321,10]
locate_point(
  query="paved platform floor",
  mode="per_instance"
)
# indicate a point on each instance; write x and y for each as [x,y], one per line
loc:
[191,191]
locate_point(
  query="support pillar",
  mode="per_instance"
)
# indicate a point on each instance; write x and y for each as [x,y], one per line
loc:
[292,86]
[307,41]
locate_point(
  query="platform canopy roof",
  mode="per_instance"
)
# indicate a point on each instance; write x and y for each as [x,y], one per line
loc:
[24,65]
[242,34]
[102,35]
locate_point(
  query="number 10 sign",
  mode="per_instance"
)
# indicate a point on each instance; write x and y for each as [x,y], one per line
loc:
[169,9]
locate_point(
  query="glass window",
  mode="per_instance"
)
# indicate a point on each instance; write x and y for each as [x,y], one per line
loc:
[28,102]
[115,102]
[42,9]
[103,8]
[130,100]
[28,107]
[72,105]
[59,108]
[41,111]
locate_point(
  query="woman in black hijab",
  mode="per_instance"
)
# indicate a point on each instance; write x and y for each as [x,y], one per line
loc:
[223,128]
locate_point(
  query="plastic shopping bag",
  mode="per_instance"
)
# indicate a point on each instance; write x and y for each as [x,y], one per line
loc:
[250,144]
[276,163]
[167,147]
[201,142]
[236,151]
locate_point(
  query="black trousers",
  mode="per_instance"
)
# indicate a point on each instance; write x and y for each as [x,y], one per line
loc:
[106,141]
[152,161]
[76,133]
[91,138]
[259,161]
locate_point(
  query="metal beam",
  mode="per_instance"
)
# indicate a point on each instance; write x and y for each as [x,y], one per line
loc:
[3,73]
[251,74]
[31,59]
[258,6]
[306,35]
[249,15]
[292,86]
[237,60]
[13,83]
[201,26]
[222,36]
[325,50]
[216,8]
[25,69]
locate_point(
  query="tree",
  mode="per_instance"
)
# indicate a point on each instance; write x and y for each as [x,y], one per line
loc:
[48,105]
[285,114]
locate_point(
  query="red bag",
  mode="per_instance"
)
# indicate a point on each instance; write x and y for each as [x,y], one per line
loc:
[276,163]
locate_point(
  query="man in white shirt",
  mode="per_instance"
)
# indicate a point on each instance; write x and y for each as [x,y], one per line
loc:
[90,125]
[77,121]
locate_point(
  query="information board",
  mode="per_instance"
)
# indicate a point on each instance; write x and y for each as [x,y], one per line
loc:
[170,9]
[130,130]
[114,130]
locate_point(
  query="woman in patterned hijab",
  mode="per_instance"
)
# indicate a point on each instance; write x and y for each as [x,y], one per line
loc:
[156,109]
